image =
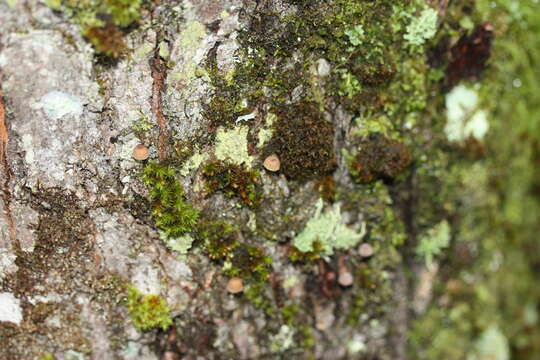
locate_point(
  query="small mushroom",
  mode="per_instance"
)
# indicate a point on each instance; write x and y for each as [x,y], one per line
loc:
[345,277]
[272,163]
[140,152]
[235,285]
[366,250]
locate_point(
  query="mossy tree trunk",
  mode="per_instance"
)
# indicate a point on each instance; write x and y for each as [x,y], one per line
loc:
[307,179]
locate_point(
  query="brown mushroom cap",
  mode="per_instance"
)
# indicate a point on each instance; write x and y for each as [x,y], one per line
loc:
[235,285]
[345,278]
[366,250]
[140,152]
[272,163]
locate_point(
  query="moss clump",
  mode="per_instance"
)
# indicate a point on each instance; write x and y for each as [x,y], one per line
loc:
[303,140]
[378,158]
[173,214]
[218,238]
[249,262]
[148,312]
[234,180]
[108,39]
[101,22]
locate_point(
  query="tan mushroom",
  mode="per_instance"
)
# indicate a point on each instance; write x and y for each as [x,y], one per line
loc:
[140,152]
[235,285]
[272,163]
[366,250]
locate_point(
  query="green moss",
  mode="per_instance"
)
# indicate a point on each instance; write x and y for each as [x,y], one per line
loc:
[218,238]
[378,157]
[234,181]
[148,312]
[101,22]
[250,263]
[170,209]
[303,141]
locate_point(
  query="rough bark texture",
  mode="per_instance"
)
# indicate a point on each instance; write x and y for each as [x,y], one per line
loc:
[383,179]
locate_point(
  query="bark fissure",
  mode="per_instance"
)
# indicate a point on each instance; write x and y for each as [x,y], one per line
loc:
[6,171]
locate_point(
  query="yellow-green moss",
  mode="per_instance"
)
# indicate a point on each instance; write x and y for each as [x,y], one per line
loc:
[170,209]
[149,311]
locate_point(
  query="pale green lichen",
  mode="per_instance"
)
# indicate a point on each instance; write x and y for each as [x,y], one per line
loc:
[464,119]
[328,229]
[266,132]
[492,345]
[190,43]
[355,35]
[380,124]
[180,244]
[434,242]
[193,163]
[422,28]
[232,146]
[90,13]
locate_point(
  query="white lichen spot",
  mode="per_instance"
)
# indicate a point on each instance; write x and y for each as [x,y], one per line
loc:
[356,345]
[73,355]
[232,146]
[492,345]
[283,340]
[246,117]
[329,229]
[7,262]
[28,148]
[10,308]
[57,104]
[463,118]
[422,28]
[290,282]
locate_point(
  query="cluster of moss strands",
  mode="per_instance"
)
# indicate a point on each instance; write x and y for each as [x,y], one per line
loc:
[233,180]
[149,311]
[102,22]
[173,214]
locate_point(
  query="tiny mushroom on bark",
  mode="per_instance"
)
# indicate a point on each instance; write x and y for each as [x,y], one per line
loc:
[366,250]
[235,285]
[140,152]
[272,163]
[345,277]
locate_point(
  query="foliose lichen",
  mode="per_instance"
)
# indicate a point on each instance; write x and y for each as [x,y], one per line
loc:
[422,27]
[328,229]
